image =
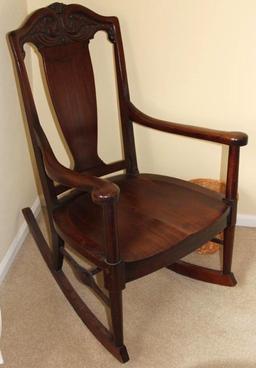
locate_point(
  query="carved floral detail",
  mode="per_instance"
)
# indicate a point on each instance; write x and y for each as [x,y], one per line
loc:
[61,26]
[57,7]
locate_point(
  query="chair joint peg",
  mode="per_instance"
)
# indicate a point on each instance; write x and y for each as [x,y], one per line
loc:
[230,202]
[112,264]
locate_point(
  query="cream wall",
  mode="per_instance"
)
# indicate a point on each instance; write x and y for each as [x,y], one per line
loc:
[17,182]
[188,61]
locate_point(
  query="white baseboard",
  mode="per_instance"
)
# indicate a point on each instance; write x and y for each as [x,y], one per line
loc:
[17,243]
[246,220]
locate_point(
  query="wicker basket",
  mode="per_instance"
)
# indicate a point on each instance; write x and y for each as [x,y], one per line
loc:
[217,186]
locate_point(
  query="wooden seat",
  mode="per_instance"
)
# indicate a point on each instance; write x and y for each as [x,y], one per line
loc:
[155,214]
[128,225]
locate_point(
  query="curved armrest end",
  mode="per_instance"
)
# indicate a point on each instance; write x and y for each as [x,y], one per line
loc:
[105,193]
[238,138]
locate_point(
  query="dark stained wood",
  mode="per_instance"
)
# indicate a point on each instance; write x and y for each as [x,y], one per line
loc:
[89,319]
[231,196]
[74,100]
[203,274]
[124,98]
[217,241]
[219,136]
[155,214]
[128,225]
[86,276]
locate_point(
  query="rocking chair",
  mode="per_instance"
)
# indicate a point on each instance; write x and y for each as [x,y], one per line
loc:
[127,225]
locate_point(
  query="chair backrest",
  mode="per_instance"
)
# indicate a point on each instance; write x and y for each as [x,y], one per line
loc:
[61,33]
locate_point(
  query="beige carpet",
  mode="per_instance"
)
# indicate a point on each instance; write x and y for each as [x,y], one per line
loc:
[170,321]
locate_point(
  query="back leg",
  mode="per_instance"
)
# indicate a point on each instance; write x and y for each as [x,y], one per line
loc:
[228,249]
[57,244]
[224,277]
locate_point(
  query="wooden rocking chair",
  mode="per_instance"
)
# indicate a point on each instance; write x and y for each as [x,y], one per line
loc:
[128,225]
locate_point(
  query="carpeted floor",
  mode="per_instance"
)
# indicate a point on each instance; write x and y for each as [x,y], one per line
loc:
[170,321]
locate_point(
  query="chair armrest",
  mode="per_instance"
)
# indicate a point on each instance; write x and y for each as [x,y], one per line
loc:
[102,191]
[228,138]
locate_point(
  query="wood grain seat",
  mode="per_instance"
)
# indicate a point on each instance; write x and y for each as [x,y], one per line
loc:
[155,214]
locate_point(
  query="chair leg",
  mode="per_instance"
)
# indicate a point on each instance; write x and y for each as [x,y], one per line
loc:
[224,277]
[57,244]
[116,311]
[109,340]
[228,249]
